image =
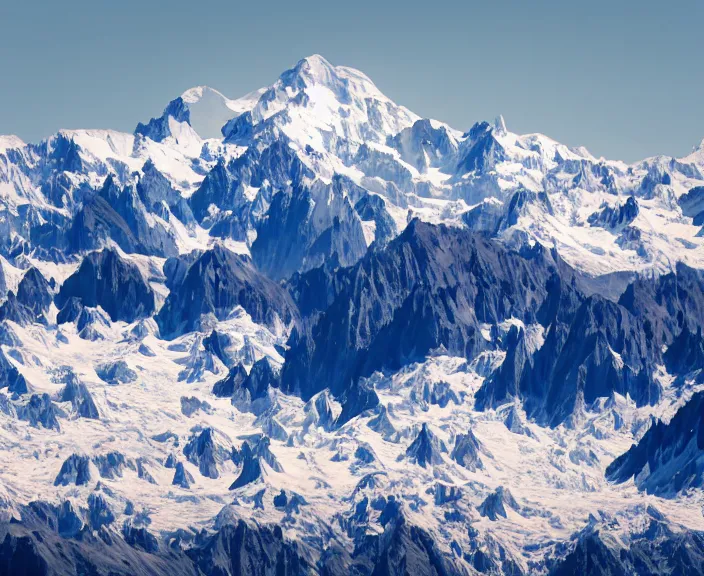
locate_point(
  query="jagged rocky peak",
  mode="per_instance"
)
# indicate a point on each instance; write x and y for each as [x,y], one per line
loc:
[604,350]
[385,316]
[202,292]
[466,451]
[117,214]
[32,301]
[11,377]
[515,421]
[251,470]
[480,151]
[382,424]
[40,411]
[496,503]
[112,282]
[191,405]
[112,465]
[116,372]
[207,449]
[692,204]
[99,512]
[158,129]
[616,216]
[74,470]
[226,387]
[252,394]
[77,393]
[35,292]
[686,353]
[426,449]
[182,477]
[453,281]
[666,460]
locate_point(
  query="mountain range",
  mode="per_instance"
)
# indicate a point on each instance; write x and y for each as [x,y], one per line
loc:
[307,331]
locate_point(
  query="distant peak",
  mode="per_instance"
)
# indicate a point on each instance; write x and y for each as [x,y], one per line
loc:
[500,125]
[314,61]
[317,71]
[11,141]
[197,93]
[313,70]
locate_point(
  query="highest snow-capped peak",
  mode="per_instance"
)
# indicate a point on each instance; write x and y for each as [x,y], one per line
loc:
[314,103]
[317,71]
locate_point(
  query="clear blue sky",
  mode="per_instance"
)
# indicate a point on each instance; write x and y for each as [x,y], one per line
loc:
[624,79]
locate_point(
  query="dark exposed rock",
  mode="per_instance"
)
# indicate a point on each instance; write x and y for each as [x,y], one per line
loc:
[372,207]
[104,279]
[226,387]
[70,311]
[402,549]
[217,282]
[666,303]
[252,393]
[666,459]
[118,214]
[34,292]
[219,344]
[139,537]
[39,409]
[190,405]
[605,350]
[99,512]
[445,494]
[91,318]
[70,523]
[74,470]
[381,423]
[32,301]
[182,477]
[115,373]
[504,383]
[692,204]
[495,504]
[686,353]
[240,549]
[8,337]
[305,226]
[480,151]
[466,452]
[426,449]
[157,129]
[432,286]
[80,398]
[203,451]
[514,422]
[251,470]
[111,465]
[14,311]
[658,551]
[145,350]
[10,376]
[97,221]
[142,471]
[616,216]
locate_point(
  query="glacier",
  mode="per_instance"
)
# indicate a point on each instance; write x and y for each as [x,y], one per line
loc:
[307,331]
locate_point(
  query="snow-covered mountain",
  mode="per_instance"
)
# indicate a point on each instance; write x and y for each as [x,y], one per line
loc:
[307,331]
